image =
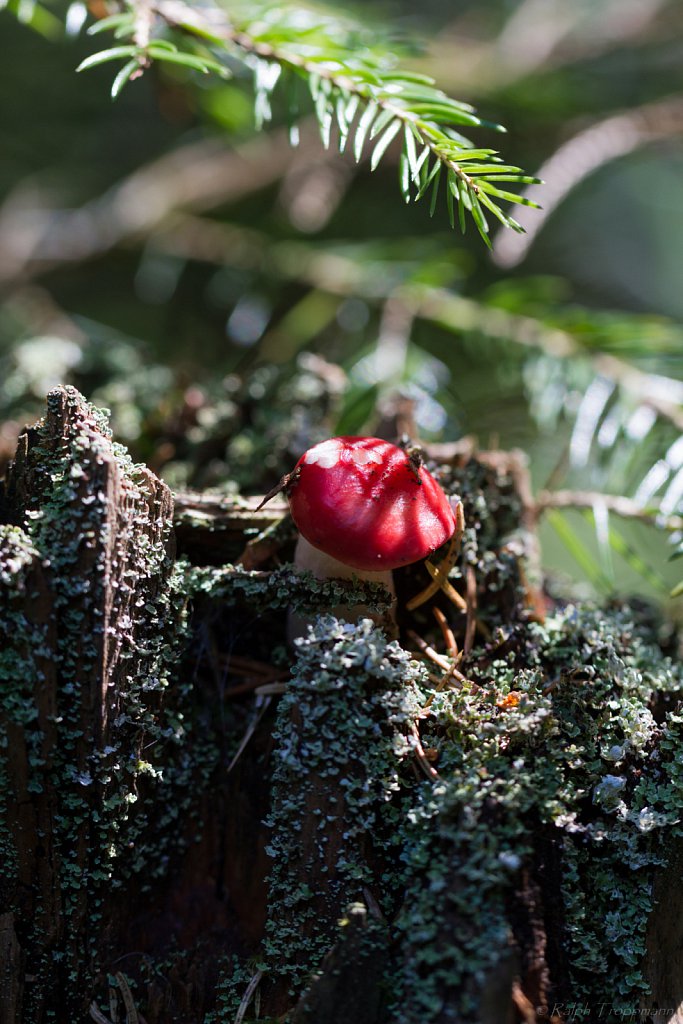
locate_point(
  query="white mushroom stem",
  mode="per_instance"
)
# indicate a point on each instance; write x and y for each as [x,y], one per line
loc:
[325,567]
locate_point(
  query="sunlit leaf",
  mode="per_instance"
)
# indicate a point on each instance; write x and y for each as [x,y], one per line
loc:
[384,142]
[123,77]
[115,53]
[364,123]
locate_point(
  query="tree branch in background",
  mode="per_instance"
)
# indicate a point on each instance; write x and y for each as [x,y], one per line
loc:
[196,177]
[541,36]
[355,85]
[625,508]
[581,156]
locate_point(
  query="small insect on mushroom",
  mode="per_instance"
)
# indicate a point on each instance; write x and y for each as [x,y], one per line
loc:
[364,507]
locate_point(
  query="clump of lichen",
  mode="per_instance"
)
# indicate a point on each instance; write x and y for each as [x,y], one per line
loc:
[557,744]
[572,740]
[87,688]
[341,736]
[494,542]
[281,588]
[341,739]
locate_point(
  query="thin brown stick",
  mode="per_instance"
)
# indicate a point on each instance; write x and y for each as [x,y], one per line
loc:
[249,686]
[447,633]
[433,655]
[422,760]
[471,626]
[270,689]
[583,154]
[626,508]
[262,548]
[248,996]
[449,590]
[240,665]
[438,659]
[523,1004]
[248,734]
[127,996]
[97,1015]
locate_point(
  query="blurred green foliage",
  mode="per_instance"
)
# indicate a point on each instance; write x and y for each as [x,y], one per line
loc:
[163,256]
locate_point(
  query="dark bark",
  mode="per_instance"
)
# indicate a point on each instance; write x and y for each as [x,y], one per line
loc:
[663,967]
[74,623]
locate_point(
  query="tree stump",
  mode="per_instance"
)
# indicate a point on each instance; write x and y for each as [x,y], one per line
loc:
[201,824]
[86,558]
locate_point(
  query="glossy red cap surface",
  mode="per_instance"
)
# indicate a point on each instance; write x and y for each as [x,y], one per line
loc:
[362,501]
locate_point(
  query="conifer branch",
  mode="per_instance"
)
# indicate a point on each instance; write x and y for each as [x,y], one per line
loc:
[354,87]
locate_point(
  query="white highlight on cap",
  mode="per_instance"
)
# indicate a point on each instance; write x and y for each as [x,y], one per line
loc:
[326,454]
[329,453]
[362,456]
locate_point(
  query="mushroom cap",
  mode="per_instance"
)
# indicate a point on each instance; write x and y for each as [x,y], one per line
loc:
[364,502]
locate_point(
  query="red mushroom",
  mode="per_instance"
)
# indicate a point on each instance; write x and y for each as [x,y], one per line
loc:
[364,507]
[368,504]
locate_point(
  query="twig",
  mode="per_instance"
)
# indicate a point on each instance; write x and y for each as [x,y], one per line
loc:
[373,906]
[424,764]
[626,508]
[260,549]
[97,1015]
[271,689]
[248,734]
[449,668]
[243,666]
[128,1002]
[144,20]
[247,997]
[114,1004]
[249,686]
[199,177]
[448,589]
[446,632]
[606,140]
[471,626]
[433,655]
[523,1004]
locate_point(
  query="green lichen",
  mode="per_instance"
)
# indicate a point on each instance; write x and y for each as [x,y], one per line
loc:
[341,736]
[579,763]
[105,782]
[281,588]
[341,741]
[570,742]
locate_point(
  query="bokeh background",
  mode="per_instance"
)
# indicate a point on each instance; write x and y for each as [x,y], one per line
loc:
[231,299]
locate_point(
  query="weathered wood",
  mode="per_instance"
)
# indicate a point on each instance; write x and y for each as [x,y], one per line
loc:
[663,965]
[92,546]
[211,529]
[349,986]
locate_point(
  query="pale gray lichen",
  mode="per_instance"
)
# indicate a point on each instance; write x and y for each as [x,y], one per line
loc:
[526,763]
[282,588]
[340,744]
[517,775]
[103,795]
